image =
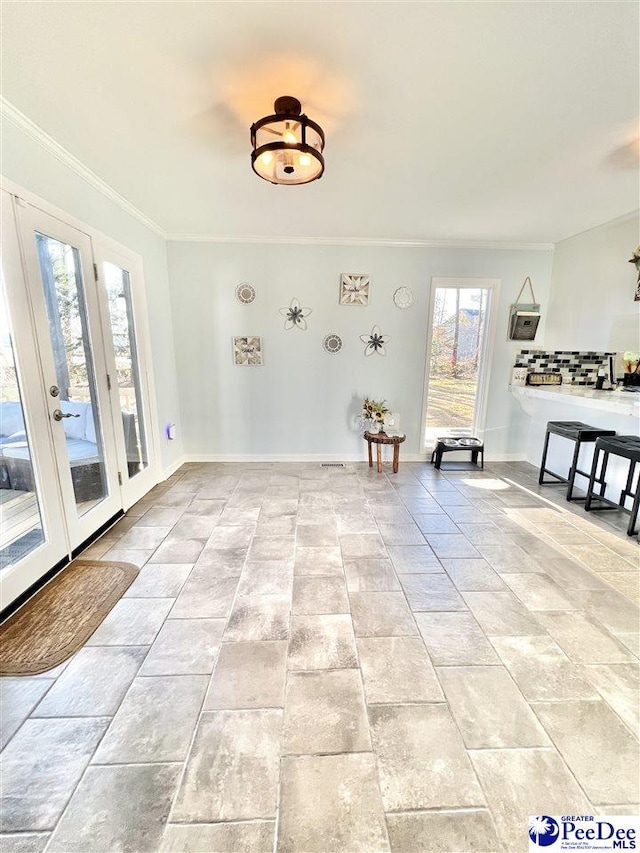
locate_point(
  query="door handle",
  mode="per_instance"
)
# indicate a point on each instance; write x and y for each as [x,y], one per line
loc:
[58,415]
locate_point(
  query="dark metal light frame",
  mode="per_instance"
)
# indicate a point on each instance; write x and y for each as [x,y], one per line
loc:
[286,109]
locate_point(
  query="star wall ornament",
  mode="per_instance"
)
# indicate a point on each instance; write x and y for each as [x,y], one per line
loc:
[375,342]
[295,316]
[354,289]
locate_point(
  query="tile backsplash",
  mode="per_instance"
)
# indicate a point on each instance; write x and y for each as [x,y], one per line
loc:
[577,368]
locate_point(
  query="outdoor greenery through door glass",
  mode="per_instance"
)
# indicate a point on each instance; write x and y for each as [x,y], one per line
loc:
[457,332]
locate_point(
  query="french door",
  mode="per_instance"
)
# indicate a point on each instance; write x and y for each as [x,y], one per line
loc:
[84,450]
[460,340]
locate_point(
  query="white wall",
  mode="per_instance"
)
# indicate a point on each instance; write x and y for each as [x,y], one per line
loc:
[29,165]
[592,290]
[304,401]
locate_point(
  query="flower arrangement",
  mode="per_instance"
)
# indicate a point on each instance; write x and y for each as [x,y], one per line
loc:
[373,411]
[630,360]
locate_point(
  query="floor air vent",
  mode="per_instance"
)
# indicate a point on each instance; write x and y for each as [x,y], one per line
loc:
[332,465]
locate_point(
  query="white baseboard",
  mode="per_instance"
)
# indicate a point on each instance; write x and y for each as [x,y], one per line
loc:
[323,457]
[175,466]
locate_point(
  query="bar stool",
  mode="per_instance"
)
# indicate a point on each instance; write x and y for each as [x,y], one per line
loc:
[579,433]
[627,447]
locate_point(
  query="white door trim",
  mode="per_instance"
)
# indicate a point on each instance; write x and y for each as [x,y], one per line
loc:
[493,286]
[109,251]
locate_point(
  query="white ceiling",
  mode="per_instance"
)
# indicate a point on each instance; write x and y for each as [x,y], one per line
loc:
[498,121]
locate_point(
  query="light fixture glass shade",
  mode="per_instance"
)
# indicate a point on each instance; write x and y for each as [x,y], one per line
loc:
[287,146]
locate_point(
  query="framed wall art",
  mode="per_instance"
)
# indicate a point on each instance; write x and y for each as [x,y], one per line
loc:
[354,289]
[247,352]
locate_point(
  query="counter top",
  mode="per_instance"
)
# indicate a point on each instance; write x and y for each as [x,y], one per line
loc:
[618,401]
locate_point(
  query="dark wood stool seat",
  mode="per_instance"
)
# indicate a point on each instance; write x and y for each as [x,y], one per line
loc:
[579,433]
[626,447]
[447,443]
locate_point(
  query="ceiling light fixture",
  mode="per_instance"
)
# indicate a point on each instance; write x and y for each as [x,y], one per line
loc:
[287,146]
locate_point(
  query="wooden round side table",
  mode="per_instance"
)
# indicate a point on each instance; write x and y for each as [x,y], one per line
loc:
[380,438]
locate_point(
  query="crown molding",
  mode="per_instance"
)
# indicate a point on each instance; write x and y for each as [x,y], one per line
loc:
[35,132]
[360,241]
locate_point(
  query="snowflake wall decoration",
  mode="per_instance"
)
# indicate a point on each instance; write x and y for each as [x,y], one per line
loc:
[295,315]
[375,342]
[354,289]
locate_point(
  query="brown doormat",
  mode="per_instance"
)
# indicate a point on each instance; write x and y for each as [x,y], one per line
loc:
[62,616]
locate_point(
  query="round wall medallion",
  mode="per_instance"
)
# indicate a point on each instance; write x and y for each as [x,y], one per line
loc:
[332,343]
[245,292]
[403,297]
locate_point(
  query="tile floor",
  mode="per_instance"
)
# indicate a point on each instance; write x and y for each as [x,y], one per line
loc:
[334,660]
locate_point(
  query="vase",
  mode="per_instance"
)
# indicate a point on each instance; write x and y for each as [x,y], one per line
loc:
[381,427]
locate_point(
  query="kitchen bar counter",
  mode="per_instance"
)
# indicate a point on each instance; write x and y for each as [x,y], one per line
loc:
[618,401]
[618,410]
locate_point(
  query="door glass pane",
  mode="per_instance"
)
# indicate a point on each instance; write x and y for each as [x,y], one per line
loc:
[127,366]
[66,312]
[457,332]
[20,519]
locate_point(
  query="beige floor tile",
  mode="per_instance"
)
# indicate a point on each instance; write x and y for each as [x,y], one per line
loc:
[539,592]
[266,577]
[155,722]
[319,595]
[272,548]
[619,685]
[144,537]
[24,842]
[356,545]
[541,669]
[159,580]
[401,534]
[177,550]
[205,596]
[316,535]
[93,684]
[523,782]
[583,639]
[331,804]
[40,768]
[454,639]
[259,617]
[628,583]
[117,808]
[370,575]
[611,608]
[184,647]
[502,614]
[471,831]
[381,614]
[414,558]
[18,697]
[453,545]
[422,761]
[242,837]
[325,713]
[473,575]
[431,592]
[232,771]
[248,675]
[232,536]
[322,642]
[132,622]
[396,670]
[318,561]
[221,562]
[599,749]
[489,709]
[509,557]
